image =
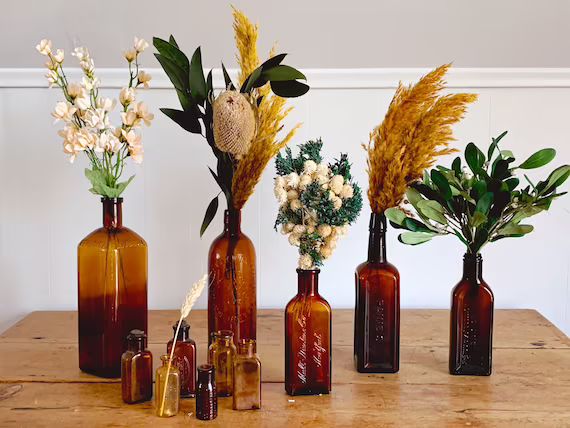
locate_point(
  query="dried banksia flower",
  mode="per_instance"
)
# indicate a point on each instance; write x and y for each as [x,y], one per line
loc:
[234,123]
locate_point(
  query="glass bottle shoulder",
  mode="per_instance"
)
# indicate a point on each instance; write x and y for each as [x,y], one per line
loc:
[102,238]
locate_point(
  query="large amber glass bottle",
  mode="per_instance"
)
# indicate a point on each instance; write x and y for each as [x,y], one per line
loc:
[377,312]
[471,330]
[112,291]
[232,282]
[308,339]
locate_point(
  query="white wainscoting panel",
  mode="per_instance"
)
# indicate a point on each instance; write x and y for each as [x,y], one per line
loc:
[45,208]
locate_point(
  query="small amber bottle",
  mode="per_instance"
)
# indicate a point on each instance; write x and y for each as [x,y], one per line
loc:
[136,369]
[221,355]
[247,377]
[172,397]
[184,358]
[206,397]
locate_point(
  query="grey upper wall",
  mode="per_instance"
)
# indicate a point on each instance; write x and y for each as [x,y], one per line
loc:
[317,33]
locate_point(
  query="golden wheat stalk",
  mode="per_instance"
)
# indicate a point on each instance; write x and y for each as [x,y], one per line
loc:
[189,301]
[270,115]
[415,130]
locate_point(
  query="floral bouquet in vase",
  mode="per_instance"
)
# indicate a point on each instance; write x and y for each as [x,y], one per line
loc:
[317,202]
[112,260]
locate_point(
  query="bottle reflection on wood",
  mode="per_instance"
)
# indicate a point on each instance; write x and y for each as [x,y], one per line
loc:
[232,278]
[471,329]
[307,339]
[377,311]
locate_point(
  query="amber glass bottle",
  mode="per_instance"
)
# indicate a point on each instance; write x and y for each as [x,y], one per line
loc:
[247,377]
[221,355]
[136,369]
[471,330]
[307,339]
[232,289]
[184,359]
[377,312]
[206,396]
[112,291]
[172,397]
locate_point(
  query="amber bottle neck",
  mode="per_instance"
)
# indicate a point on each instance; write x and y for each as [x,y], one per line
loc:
[308,281]
[232,222]
[112,213]
[472,267]
[246,348]
[377,238]
[137,345]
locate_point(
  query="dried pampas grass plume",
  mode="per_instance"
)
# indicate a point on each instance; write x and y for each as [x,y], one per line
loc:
[189,301]
[415,130]
[234,123]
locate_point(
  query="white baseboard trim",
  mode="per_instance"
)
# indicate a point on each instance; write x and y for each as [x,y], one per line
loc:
[372,78]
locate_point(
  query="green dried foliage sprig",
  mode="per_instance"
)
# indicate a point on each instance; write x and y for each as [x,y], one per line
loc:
[481,202]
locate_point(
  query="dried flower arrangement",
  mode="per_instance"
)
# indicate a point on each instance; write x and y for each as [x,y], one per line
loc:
[189,301]
[481,202]
[415,130]
[317,201]
[242,123]
[86,117]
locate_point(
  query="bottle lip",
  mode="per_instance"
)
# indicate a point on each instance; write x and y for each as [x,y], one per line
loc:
[316,270]
[136,334]
[223,334]
[206,368]
[164,358]
[115,200]
[471,256]
[184,326]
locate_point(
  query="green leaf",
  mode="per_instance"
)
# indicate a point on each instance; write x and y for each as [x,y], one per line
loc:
[484,203]
[557,178]
[210,214]
[495,145]
[185,119]
[172,41]
[478,219]
[251,81]
[415,238]
[176,75]
[123,185]
[512,184]
[209,84]
[273,61]
[227,78]
[415,226]
[538,159]
[456,166]
[441,182]
[289,89]
[414,197]
[171,52]
[515,230]
[432,210]
[197,81]
[282,73]
[474,158]
[500,169]
[395,215]
[479,188]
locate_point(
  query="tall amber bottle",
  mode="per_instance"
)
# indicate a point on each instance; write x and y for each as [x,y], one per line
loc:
[112,291]
[471,329]
[377,312]
[184,358]
[232,279]
[308,325]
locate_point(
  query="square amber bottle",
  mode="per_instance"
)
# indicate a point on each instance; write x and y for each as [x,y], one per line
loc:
[247,377]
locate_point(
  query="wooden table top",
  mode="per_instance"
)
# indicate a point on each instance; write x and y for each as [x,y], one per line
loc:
[41,385]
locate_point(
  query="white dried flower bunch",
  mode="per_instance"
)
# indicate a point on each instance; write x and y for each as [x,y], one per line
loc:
[317,202]
[85,114]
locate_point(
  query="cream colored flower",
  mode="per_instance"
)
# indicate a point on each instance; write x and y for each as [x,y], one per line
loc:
[279,181]
[292,194]
[305,181]
[63,111]
[74,90]
[58,56]
[106,104]
[97,118]
[44,47]
[310,229]
[295,204]
[336,183]
[347,192]
[131,138]
[83,102]
[130,55]
[81,53]
[86,139]
[322,179]
[309,167]
[326,251]
[89,84]
[289,227]
[110,142]
[144,78]
[292,180]
[142,112]
[130,118]
[127,96]
[299,229]
[140,44]
[284,230]
[324,230]
[323,169]
[337,203]
[280,194]
[294,240]
[136,153]
[306,262]
[51,77]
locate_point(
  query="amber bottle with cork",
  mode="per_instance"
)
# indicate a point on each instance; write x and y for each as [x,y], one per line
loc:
[112,291]
[307,339]
[206,396]
[221,355]
[184,358]
[167,404]
[136,369]
[247,377]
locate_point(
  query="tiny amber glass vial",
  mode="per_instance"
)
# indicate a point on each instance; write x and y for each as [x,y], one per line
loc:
[136,369]
[167,394]
[247,377]
[221,355]
[206,397]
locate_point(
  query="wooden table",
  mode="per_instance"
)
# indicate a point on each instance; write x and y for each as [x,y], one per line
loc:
[41,385]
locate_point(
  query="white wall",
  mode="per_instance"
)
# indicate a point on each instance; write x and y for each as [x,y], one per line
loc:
[45,208]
